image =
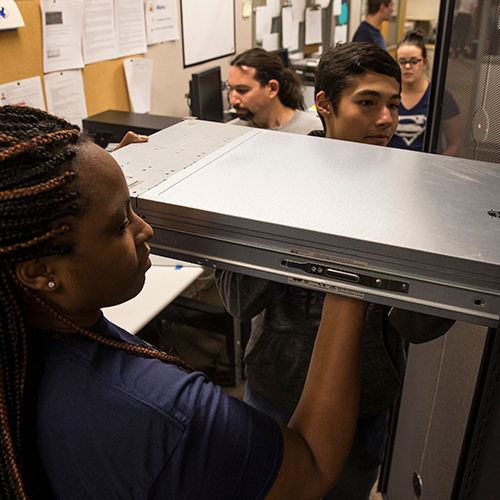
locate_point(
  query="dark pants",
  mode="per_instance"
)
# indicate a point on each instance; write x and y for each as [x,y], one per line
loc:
[365,457]
[461,32]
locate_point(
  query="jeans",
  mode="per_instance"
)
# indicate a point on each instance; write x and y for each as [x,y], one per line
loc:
[366,455]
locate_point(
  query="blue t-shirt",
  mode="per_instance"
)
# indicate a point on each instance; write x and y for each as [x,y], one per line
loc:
[368,33]
[412,122]
[112,425]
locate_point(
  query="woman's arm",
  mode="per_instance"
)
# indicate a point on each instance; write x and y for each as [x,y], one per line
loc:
[319,435]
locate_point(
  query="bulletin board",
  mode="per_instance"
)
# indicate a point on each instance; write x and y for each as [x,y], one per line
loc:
[104,82]
[207,30]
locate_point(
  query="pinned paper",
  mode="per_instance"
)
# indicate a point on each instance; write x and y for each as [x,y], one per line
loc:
[10,16]
[130,27]
[62,34]
[271,42]
[340,34]
[139,76]
[299,10]
[99,33]
[65,95]
[337,7]
[262,22]
[27,92]
[162,21]
[274,7]
[290,29]
[313,26]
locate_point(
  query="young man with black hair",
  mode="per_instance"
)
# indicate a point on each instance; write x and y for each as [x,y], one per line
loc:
[357,95]
[369,29]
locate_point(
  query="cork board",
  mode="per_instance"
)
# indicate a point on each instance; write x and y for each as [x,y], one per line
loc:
[21,52]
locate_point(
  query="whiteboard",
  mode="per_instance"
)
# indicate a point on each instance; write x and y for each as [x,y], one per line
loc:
[207,30]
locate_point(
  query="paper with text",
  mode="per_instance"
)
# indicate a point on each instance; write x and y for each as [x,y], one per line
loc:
[130,27]
[99,34]
[27,92]
[62,34]
[65,95]
[290,29]
[313,26]
[139,76]
[162,21]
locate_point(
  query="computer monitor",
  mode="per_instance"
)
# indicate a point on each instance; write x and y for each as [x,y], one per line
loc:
[205,92]
[283,54]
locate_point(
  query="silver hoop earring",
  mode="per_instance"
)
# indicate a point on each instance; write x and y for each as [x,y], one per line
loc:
[51,284]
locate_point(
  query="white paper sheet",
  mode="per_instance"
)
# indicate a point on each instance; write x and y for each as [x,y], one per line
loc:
[262,22]
[208,30]
[65,95]
[290,29]
[313,26]
[99,34]
[337,7]
[162,21]
[274,7]
[139,75]
[27,92]
[130,27]
[299,10]
[62,34]
[271,41]
[340,34]
[10,16]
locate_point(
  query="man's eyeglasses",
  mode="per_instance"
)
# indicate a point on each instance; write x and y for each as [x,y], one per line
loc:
[412,62]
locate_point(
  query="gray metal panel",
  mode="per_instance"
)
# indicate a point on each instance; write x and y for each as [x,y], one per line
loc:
[418,223]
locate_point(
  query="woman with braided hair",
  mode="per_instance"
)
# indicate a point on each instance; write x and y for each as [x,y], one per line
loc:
[88,411]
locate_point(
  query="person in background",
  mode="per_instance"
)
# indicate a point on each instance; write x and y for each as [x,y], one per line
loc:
[357,95]
[411,55]
[463,29]
[89,411]
[369,29]
[267,95]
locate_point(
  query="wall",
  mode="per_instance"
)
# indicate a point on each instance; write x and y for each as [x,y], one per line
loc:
[422,9]
[171,80]
[104,82]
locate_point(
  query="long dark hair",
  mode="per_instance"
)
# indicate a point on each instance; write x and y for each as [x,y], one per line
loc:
[269,66]
[39,203]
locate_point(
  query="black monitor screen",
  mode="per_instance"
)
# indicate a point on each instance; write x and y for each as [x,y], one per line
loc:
[205,90]
[283,54]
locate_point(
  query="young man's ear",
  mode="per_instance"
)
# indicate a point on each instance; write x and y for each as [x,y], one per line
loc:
[323,105]
[35,274]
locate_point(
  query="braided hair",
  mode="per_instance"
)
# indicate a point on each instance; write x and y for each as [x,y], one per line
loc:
[39,202]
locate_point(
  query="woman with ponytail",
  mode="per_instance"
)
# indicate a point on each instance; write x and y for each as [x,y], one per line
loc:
[88,411]
[411,55]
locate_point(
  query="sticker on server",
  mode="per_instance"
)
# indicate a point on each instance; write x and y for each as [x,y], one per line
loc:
[131,183]
[326,287]
[329,258]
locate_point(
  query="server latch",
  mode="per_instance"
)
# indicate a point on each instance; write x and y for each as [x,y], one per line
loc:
[349,277]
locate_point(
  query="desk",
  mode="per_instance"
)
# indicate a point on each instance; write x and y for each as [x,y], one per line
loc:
[166,279]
